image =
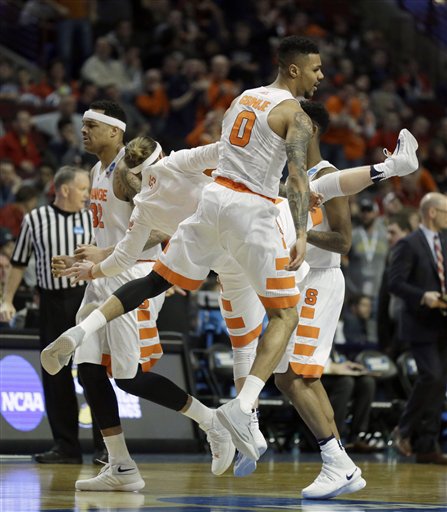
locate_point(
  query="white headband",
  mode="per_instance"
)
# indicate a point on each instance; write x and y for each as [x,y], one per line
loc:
[112,121]
[149,160]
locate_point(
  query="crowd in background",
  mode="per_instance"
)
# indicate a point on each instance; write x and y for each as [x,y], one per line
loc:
[176,66]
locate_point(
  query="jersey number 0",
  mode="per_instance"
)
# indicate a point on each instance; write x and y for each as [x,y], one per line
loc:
[242,127]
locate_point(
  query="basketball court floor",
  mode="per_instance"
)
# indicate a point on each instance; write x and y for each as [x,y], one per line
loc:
[185,483]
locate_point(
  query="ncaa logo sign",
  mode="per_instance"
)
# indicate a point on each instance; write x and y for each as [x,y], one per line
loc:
[21,398]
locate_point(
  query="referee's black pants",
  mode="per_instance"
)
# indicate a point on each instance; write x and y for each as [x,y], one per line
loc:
[58,310]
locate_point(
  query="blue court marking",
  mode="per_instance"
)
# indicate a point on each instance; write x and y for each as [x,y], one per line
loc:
[246,503]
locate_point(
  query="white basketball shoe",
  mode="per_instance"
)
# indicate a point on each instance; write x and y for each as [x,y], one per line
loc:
[243,465]
[117,477]
[221,445]
[339,475]
[402,161]
[57,354]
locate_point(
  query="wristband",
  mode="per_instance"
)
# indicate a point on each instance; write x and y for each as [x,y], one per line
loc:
[376,175]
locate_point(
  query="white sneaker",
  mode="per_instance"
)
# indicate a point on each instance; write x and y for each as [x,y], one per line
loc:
[243,465]
[336,477]
[403,160]
[221,445]
[119,477]
[57,354]
[237,423]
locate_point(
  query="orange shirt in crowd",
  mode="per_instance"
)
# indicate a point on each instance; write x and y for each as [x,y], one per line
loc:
[154,104]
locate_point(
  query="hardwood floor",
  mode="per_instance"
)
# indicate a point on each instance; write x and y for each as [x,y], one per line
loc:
[183,482]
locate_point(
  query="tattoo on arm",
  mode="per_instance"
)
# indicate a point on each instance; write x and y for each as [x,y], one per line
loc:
[155,238]
[329,241]
[282,189]
[126,184]
[298,136]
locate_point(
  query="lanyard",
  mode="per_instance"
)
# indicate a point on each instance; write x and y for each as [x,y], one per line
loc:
[370,244]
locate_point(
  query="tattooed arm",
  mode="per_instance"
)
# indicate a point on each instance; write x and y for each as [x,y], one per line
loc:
[299,132]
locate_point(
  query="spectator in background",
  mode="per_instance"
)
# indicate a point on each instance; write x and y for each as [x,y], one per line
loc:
[20,144]
[122,37]
[43,183]
[386,136]
[88,93]
[221,90]
[9,88]
[66,149]
[410,189]
[66,110]
[55,85]
[417,274]
[243,56]
[359,328]
[153,101]
[186,92]
[11,215]
[101,68]
[368,253]
[389,306]
[385,100]
[9,182]
[436,163]
[207,131]
[74,32]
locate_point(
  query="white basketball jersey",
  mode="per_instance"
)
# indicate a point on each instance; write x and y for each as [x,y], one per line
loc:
[250,152]
[316,257]
[110,214]
[172,187]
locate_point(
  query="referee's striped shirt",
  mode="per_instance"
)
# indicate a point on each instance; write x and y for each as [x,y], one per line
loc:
[48,231]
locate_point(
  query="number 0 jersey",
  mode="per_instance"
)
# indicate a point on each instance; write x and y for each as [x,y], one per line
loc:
[250,152]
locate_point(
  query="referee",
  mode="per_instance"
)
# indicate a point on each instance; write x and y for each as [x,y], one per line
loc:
[48,231]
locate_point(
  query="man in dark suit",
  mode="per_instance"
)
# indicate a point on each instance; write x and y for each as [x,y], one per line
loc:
[417,274]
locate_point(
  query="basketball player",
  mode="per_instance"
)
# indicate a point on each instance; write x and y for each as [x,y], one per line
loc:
[116,347]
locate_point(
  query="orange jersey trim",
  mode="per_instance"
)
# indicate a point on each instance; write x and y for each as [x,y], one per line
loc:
[239,187]
[301,349]
[174,278]
[307,312]
[235,323]
[245,339]
[307,331]
[310,371]
[280,283]
[280,302]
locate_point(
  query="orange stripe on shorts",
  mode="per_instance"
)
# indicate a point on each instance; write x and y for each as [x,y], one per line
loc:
[226,305]
[311,371]
[307,331]
[301,349]
[235,323]
[280,283]
[143,315]
[280,263]
[147,333]
[174,278]
[280,302]
[307,312]
[149,350]
[245,339]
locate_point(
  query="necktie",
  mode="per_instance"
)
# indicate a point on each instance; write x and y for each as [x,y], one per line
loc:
[440,263]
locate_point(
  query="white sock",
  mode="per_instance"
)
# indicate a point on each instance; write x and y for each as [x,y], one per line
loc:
[200,413]
[93,322]
[333,447]
[116,446]
[250,392]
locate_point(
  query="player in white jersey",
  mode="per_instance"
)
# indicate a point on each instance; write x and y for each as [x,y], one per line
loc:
[130,348]
[322,293]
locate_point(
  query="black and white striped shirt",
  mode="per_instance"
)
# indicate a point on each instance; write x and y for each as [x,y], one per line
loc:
[48,231]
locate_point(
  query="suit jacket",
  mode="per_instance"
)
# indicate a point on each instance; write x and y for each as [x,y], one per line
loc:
[411,273]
